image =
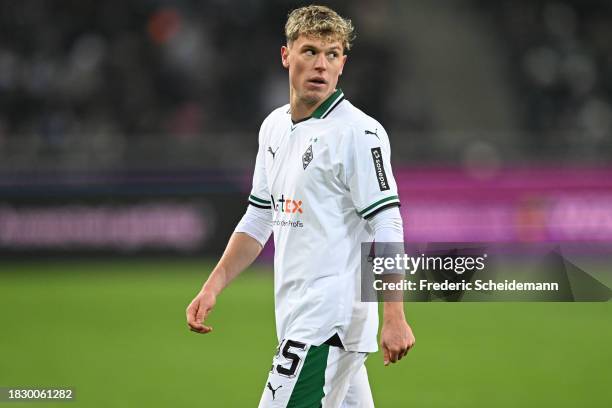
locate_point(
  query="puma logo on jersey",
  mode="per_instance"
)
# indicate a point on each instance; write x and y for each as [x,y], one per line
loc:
[375,133]
[287,205]
[272,152]
[273,390]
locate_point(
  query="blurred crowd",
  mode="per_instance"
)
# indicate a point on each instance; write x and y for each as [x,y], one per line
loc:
[83,81]
[99,77]
[560,60]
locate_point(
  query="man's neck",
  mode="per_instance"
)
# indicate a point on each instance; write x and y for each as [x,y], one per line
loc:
[301,110]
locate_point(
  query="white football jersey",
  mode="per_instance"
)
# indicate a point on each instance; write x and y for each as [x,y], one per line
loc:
[322,178]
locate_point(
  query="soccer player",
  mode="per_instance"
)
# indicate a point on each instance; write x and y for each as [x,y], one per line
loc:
[323,184]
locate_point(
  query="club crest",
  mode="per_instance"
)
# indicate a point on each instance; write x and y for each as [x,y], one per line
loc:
[307,157]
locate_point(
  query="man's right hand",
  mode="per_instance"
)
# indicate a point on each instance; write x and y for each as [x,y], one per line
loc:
[241,251]
[198,310]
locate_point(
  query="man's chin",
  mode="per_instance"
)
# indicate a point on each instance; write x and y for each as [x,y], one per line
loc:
[313,97]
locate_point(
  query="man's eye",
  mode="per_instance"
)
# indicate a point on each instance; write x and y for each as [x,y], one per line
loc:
[333,54]
[310,52]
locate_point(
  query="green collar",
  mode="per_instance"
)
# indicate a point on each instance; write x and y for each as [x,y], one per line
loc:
[329,104]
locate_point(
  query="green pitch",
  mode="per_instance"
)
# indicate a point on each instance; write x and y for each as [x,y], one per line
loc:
[116,332]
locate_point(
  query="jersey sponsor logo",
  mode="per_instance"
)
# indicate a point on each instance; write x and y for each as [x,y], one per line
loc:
[286,205]
[288,224]
[307,157]
[381,176]
[272,152]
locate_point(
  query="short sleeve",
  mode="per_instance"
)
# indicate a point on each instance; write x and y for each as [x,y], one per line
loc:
[368,170]
[260,195]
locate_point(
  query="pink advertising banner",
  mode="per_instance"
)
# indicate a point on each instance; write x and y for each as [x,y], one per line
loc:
[512,205]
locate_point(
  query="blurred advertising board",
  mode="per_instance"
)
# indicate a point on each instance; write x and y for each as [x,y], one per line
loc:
[520,205]
[195,212]
[136,212]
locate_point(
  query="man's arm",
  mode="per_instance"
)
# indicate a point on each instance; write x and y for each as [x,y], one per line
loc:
[396,337]
[243,247]
[240,252]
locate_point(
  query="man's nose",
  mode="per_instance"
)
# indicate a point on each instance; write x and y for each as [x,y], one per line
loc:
[320,62]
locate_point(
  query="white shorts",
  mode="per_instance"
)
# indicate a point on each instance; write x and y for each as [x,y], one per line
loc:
[309,376]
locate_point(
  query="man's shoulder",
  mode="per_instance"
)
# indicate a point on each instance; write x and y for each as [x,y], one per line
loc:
[358,122]
[269,123]
[277,114]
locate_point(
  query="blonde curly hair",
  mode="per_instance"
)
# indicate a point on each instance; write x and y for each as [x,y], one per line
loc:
[319,22]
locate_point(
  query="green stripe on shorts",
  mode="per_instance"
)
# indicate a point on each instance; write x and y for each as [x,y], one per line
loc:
[308,390]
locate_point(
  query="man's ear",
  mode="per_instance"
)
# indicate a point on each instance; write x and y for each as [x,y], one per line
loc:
[285,56]
[344,57]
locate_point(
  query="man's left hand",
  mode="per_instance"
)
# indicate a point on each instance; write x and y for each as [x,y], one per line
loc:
[396,339]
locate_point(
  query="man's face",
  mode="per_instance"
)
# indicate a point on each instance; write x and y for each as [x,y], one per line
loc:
[314,67]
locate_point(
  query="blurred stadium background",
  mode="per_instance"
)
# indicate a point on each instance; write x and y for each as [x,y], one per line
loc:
[128,132]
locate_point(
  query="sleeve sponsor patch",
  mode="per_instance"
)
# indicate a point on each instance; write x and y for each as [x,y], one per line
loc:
[381,176]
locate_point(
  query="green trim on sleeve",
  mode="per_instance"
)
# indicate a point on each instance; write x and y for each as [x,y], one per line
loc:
[372,207]
[258,200]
